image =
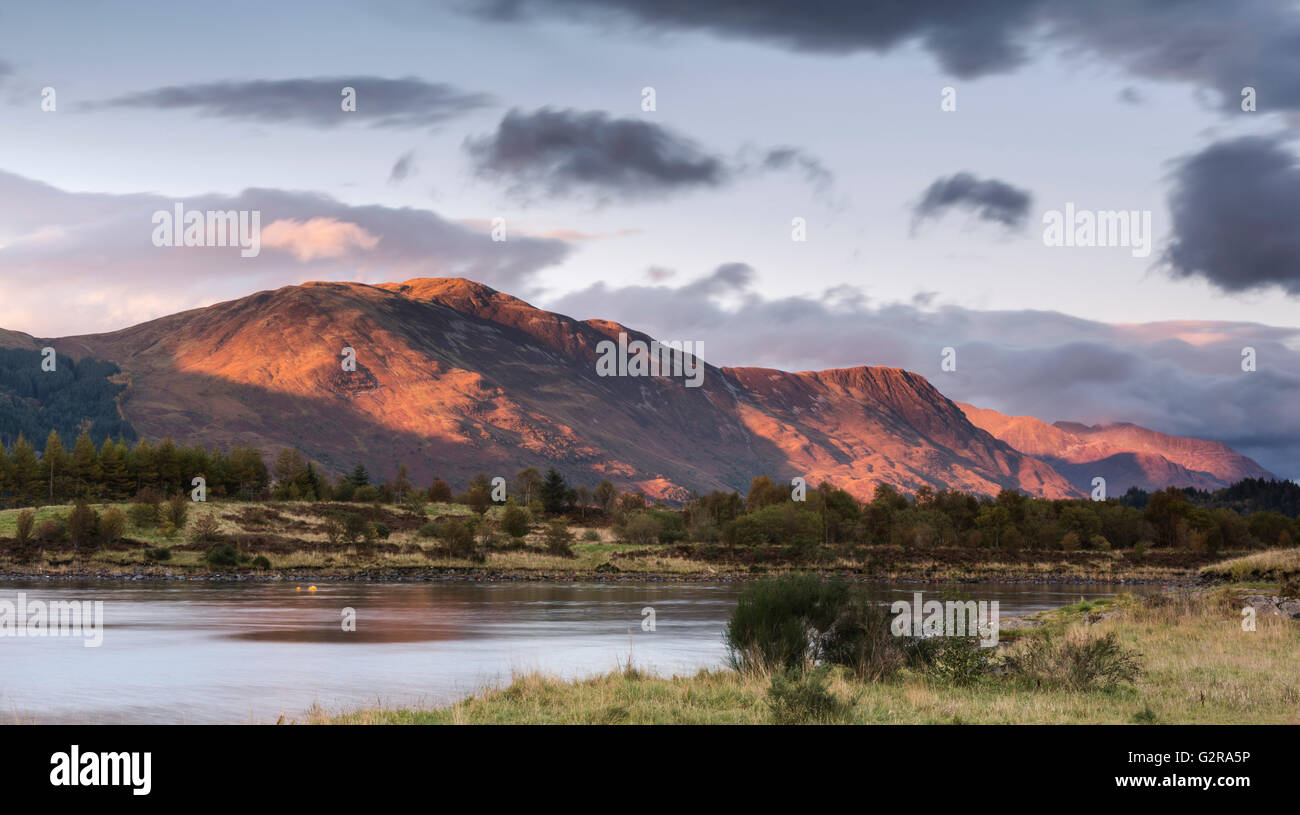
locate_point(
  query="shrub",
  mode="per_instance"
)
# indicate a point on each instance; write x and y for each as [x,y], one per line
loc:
[558,538]
[333,530]
[261,562]
[429,530]
[414,504]
[205,529]
[380,530]
[112,525]
[365,495]
[175,511]
[222,557]
[440,492]
[83,524]
[641,529]
[456,537]
[591,536]
[777,622]
[354,527]
[144,512]
[516,521]
[25,522]
[158,553]
[860,640]
[804,698]
[959,660]
[1078,662]
[51,531]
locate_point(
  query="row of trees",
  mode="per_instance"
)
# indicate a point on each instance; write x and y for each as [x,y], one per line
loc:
[767,514]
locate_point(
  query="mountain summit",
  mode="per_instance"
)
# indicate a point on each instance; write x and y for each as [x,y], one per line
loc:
[453,377]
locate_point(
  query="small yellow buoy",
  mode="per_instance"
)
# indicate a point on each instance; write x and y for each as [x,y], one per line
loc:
[298,589]
[311,588]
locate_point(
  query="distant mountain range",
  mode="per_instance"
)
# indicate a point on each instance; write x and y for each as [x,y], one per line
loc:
[454,378]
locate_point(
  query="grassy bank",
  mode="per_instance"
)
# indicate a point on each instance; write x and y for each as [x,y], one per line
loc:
[1197,667]
[293,538]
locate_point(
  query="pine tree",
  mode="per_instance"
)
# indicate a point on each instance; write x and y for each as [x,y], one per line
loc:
[26,472]
[359,477]
[54,467]
[554,492]
[85,466]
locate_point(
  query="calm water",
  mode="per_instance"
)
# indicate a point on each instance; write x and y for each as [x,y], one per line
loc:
[202,653]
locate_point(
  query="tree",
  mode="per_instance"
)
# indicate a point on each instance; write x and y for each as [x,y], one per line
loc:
[763,493]
[54,466]
[359,477]
[528,483]
[515,521]
[440,492]
[25,471]
[401,483]
[606,496]
[558,538]
[85,466]
[554,492]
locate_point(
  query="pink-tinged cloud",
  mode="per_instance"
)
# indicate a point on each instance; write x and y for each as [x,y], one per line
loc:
[317,238]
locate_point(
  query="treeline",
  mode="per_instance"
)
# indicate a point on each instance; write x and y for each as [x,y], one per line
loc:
[1011,520]
[76,393]
[768,514]
[1246,496]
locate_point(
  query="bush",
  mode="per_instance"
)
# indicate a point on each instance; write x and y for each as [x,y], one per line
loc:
[429,530]
[25,522]
[558,538]
[112,525]
[175,511]
[144,512]
[83,524]
[591,536]
[516,521]
[860,640]
[457,537]
[380,530]
[1079,662]
[642,529]
[205,529]
[353,527]
[222,557]
[158,553]
[51,531]
[778,623]
[261,562]
[804,698]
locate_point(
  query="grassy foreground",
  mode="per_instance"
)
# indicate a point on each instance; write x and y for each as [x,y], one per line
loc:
[1198,667]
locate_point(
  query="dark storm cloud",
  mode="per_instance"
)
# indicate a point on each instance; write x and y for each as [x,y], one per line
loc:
[1218,45]
[561,152]
[1235,208]
[968,38]
[388,103]
[564,153]
[989,199]
[1176,377]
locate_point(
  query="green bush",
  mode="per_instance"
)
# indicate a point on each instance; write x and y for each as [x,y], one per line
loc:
[860,640]
[158,553]
[175,511]
[381,530]
[25,522]
[515,521]
[112,525]
[778,622]
[222,557]
[1078,663]
[558,539]
[457,537]
[83,524]
[642,529]
[796,697]
[261,562]
[429,530]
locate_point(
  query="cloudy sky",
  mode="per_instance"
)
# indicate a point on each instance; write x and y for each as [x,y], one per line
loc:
[924,225]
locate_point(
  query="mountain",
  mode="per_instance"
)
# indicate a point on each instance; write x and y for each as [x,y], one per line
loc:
[1126,455]
[454,378]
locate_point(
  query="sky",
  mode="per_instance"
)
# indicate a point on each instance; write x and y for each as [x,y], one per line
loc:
[920,145]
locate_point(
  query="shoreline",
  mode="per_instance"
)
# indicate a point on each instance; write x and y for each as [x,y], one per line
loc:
[473,576]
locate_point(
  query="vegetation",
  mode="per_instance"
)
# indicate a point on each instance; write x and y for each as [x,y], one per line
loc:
[1196,667]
